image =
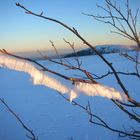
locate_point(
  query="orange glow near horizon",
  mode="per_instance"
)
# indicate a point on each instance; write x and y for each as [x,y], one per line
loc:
[24,33]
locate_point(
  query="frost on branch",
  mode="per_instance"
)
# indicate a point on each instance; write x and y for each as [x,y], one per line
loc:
[41,78]
[99,90]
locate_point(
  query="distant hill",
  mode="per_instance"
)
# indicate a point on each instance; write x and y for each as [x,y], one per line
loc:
[103,49]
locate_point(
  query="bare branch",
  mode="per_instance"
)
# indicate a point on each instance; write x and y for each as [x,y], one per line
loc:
[31,134]
[102,17]
[118,72]
[70,66]
[131,115]
[99,121]
[73,80]
[117,23]
[71,45]
[56,51]
[126,55]
[74,31]
[110,18]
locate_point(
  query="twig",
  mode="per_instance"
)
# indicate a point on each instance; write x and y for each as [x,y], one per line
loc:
[32,135]
[72,46]
[56,51]
[99,121]
[74,31]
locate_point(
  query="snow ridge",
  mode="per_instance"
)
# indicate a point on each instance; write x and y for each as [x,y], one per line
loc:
[41,78]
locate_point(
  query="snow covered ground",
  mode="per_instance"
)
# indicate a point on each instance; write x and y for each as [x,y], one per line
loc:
[53,118]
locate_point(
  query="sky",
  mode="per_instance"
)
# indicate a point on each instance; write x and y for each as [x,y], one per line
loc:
[20,32]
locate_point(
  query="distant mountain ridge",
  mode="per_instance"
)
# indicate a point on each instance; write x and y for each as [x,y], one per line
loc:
[103,49]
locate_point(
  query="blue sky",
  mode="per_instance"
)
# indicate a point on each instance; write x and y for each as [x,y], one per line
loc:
[22,32]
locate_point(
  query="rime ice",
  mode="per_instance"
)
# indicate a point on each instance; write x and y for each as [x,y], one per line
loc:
[41,78]
[99,90]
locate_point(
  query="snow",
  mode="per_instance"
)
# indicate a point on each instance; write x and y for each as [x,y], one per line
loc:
[41,78]
[38,76]
[53,118]
[99,90]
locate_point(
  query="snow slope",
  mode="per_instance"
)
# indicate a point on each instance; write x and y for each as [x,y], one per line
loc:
[50,116]
[104,49]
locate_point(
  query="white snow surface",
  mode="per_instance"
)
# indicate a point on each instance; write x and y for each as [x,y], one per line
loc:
[41,78]
[53,118]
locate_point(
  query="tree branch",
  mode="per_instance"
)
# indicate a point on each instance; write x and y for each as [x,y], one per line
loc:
[32,135]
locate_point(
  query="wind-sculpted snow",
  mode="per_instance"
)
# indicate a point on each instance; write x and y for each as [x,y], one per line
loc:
[42,78]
